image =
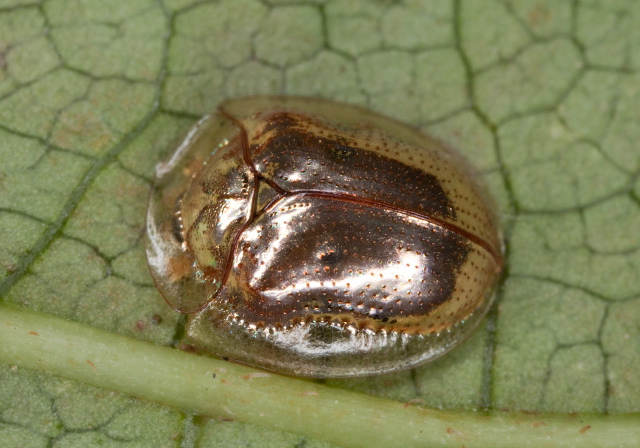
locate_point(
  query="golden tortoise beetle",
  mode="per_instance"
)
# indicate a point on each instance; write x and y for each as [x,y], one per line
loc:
[316,238]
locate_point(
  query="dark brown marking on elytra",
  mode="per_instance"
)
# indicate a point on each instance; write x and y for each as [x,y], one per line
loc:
[442,254]
[280,120]
[453,249]
[330,164]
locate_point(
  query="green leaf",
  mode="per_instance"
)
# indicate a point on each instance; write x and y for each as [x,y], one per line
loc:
[542,95]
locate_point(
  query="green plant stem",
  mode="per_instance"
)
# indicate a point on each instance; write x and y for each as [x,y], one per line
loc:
[218,388]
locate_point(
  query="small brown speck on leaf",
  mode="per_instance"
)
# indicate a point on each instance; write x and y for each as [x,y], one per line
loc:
[187,348]
[539,15]
[585,429]
[415,402]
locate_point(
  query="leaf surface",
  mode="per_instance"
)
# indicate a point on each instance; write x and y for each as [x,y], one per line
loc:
[543,96]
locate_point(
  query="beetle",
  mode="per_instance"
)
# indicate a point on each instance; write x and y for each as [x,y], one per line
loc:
[316,238]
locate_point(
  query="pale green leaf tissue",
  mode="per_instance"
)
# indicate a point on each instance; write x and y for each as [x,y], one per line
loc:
[542,95]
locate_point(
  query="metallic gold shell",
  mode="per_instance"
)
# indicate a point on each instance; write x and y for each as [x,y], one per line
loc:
[319,239]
